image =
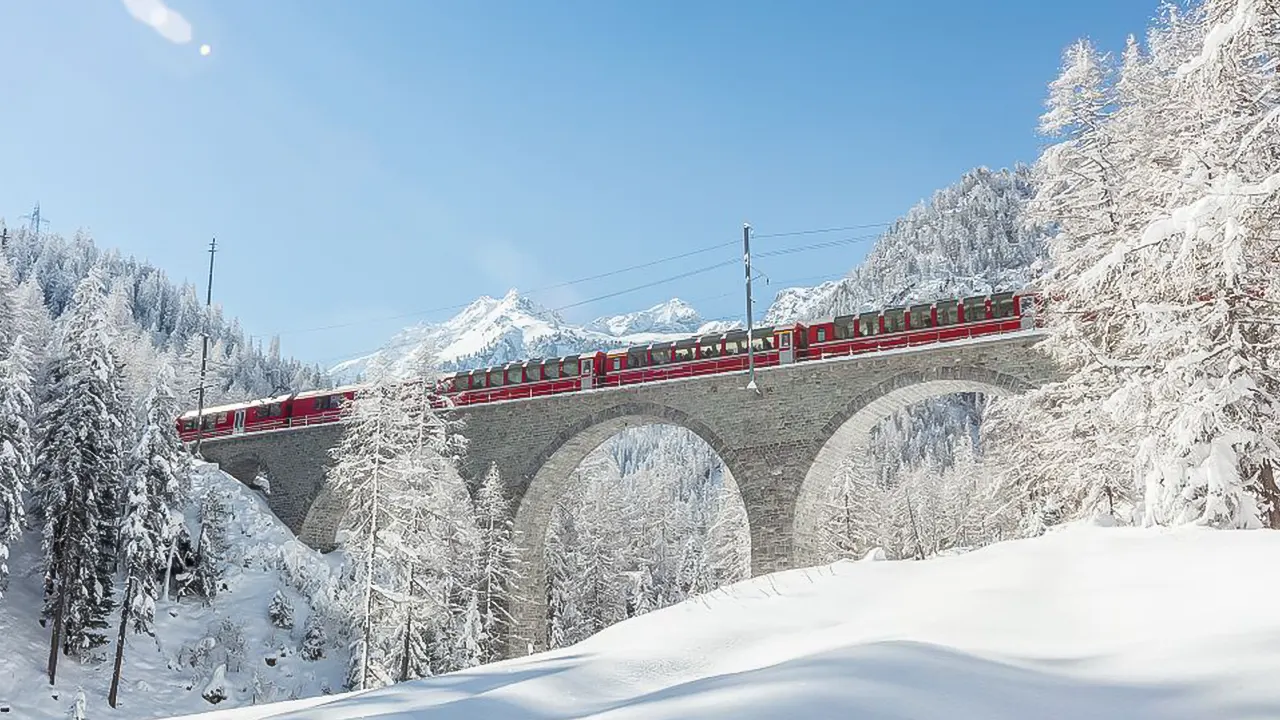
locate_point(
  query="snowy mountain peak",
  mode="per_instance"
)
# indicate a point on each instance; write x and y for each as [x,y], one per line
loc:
[672,316]
[493,331]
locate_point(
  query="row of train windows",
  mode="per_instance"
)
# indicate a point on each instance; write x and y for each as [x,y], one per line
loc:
[515,375]
[920,317]
[667,355]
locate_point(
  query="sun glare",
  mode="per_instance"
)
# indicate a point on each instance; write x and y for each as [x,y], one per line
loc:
[205,49]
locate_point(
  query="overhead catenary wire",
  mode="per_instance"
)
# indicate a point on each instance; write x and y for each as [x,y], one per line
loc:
[814,246]
[788,282]
[599,276]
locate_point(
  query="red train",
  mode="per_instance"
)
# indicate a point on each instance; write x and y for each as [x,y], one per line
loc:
[922,324]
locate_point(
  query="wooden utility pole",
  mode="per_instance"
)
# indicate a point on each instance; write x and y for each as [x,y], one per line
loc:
[204,351]
[751,355]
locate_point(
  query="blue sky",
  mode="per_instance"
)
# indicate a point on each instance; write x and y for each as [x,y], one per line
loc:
[374,158]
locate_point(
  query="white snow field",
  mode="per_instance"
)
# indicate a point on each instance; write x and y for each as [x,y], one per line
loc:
[1087,622]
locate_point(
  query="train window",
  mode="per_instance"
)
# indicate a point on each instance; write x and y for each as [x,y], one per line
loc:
[617,362]
[735,346]
[210,421]
[479,380]
[844,328]
[515,375]
[1002,305]
[947,313]
[921,317]
[328,402]
[571,367]
[637,357]
[821,334]
[710,350]
[762,343]
[975,309]
[270,410]
[551,370]
[868,324]
[189,424]
[460,383]
[894,320]
[495,378]
[684,354]
[660,355]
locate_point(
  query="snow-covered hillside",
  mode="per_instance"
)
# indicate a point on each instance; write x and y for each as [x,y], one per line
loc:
[1088,622]
[492,331]
[969,238]
[169,672]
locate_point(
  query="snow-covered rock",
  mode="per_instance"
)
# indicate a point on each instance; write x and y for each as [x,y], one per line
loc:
[1089,623]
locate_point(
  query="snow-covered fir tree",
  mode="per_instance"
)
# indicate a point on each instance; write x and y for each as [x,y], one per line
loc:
[497,571]
[409,535]
[281,611]
[16,413]
[212,546]
[78,475]
[159,478]
[1165,190]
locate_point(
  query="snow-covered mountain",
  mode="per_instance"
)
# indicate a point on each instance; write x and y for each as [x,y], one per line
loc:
[968,239]
[492,331]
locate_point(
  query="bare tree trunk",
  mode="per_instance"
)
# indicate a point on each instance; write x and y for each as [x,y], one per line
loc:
[1271,495]
[55,637]
[129,590]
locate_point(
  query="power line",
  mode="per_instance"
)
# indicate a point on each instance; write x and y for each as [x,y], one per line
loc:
[544,288]
[611,273]
[818,231]
[788,282]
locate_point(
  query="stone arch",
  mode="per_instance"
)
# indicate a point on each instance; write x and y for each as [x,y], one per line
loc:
[245,467]
[320,526]
[848,431]
[548,474]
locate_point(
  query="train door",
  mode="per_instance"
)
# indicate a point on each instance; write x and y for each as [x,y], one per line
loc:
[586,370]
[238,427]
[786,351]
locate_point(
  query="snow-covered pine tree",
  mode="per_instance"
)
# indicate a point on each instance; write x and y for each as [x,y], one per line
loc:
[212,545]
[498,571]
[78,477]
[854,512]
[367,472]
[314,638]
[159,472]
[1186,339]
[280,611]
[16,448]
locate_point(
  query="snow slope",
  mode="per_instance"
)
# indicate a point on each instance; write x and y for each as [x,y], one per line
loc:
[493,331]
[1087,622]
[163,675]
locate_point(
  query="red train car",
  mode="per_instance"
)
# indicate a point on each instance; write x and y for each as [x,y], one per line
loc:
[706,355]
[524,379]
[891,328]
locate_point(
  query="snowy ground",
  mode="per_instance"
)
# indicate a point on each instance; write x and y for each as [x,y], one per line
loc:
[1087,622]
[159,677]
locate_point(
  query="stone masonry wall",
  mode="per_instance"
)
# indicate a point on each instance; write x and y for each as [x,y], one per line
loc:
[780,443]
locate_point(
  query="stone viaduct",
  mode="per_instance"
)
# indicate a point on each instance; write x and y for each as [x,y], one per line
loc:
[781,443]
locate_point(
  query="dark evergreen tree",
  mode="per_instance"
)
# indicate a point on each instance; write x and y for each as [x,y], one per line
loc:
[78,476]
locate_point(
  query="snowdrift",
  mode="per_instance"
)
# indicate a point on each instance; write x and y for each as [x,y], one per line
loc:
[1088,622]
